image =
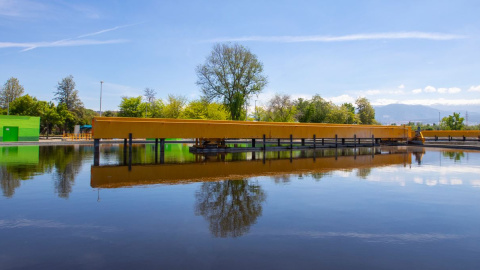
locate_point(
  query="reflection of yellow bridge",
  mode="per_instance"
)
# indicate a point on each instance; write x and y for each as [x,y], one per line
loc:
[117,127]
[121,176]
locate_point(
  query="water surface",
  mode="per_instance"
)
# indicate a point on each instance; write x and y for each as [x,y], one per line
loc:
[382,208]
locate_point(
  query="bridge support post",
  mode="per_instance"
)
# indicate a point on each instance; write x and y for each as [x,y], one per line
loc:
[162,145]
[291,141]
[373,140]
[96,156]
[278,143]
[343,141]
[253,143]
[314,141]
[303,142]
[264,143]
[162,150]
[323,141]
[336,141]
[464,139]
[436,138]
[355,140]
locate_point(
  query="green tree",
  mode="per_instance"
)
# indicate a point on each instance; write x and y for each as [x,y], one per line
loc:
[304,110]
[26,105]
[67,118]
[366,113]
[202,109]
[281,109]
[352,118]
[10,91]
[131,107]
[231,74]
[174,106]
[49,117]
[453,122]
[157,109]
[109,114]
[67,94]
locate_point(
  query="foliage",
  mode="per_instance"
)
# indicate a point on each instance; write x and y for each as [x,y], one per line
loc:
[67,94]
[109,114]
[10,91]
[202,109]
[174,106]
[26,105]
[130,107]
[231,74]
[453,122]
[366,113]
[280,109]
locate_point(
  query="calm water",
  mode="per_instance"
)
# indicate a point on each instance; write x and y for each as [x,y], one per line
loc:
[383,208]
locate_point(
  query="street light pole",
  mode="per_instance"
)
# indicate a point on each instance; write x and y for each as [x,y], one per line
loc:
[101,88]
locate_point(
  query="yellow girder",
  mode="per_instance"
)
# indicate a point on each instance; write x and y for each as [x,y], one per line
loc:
[119,127]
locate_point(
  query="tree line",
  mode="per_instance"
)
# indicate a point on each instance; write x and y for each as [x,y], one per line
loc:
[54,118]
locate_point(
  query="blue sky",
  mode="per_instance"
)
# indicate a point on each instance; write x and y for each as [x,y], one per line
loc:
[412,52]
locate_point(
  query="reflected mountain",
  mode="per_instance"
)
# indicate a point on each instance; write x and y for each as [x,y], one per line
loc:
[230,206]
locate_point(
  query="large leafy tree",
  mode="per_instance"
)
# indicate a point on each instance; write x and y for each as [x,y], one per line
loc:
[131,107]
[10,91]
[366,113]
[453,122]
[231,74]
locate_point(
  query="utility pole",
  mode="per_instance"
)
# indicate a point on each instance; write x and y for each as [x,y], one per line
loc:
[101,88]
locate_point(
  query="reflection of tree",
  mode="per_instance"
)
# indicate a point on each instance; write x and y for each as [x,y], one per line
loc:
[281,179]
[230,206]
[8,183]
[456,156]
[364,172]
[68,162]
[319,175]
[65,161]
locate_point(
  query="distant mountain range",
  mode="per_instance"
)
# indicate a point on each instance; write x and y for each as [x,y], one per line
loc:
[402,114]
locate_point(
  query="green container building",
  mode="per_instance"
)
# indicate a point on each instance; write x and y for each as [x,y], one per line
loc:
[19,128]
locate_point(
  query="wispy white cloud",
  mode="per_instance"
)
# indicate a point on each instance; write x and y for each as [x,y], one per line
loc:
[474,88]
[401,86]
[353,37]
[69,42]
[63,43]
[107,30]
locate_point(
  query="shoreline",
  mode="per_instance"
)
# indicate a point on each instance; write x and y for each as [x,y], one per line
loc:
[55,142]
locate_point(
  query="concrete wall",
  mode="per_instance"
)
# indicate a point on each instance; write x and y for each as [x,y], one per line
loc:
[28,126]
